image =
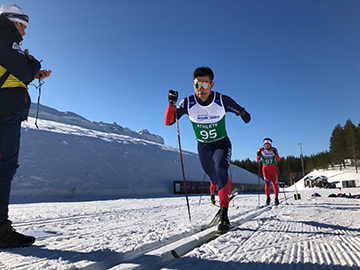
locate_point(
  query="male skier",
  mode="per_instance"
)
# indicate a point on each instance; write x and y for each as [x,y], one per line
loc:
[206,110]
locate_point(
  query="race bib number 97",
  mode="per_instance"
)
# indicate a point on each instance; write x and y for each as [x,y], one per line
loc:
[269,160]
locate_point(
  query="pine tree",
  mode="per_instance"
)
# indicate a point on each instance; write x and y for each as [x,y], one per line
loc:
[338,145]
[351,141]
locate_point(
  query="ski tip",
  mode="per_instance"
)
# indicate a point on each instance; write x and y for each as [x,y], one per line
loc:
[174,253]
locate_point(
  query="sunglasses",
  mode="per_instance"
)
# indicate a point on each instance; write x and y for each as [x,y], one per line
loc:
[204,85]
[20,16]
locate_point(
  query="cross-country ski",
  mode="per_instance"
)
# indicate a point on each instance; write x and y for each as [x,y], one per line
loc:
[41,234]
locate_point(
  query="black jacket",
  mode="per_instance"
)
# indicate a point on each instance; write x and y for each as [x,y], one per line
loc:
[15,99]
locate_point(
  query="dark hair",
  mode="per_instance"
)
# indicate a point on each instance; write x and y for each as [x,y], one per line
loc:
[267,139]
[203,72]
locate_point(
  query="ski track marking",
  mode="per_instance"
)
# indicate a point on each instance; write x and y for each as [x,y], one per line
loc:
[99,236]
[299,240]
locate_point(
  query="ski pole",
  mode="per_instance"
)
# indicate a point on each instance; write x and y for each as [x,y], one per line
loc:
[38,102]
[278,171]
[182,163]
[202,188]
[259,182]
[231,181]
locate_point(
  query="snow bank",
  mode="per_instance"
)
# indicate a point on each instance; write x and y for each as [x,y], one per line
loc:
[61,157]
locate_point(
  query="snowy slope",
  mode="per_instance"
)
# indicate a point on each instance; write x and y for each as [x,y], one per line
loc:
[99,164]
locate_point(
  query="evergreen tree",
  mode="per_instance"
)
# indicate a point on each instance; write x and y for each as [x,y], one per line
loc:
[338,145]
[351,139]
[247,164]
[319,161]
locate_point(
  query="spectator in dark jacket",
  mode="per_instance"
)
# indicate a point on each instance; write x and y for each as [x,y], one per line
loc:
[17,70]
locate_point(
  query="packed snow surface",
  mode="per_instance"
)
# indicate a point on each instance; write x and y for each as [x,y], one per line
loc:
[311,233]
[139,228]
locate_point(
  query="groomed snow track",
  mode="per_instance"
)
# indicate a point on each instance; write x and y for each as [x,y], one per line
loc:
[156,256]
[312,233]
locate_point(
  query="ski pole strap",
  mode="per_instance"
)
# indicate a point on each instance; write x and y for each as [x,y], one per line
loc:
[38,103]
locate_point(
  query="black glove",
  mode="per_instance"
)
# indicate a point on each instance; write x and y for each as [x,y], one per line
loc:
[173,97]
[243,112]
[258,153]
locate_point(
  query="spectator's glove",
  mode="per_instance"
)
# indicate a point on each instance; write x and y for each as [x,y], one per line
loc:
[173,97]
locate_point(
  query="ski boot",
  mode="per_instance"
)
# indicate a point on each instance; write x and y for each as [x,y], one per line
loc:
[277,201]
[213,199]
[9,238]
[268,201]
[224,223]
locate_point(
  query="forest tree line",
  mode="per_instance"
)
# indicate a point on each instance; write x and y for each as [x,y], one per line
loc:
[344,145]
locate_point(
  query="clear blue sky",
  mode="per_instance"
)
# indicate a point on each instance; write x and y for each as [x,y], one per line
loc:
[294,65]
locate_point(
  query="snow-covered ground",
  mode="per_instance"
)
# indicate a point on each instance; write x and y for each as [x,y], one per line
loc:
[311,233]
[138,232]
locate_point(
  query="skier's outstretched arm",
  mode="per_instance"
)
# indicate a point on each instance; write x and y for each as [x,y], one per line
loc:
[232,106]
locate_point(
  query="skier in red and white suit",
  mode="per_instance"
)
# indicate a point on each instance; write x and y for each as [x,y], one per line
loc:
[269,157]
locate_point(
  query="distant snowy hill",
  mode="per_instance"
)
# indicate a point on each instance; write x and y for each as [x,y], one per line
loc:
[70,118]
[100,160]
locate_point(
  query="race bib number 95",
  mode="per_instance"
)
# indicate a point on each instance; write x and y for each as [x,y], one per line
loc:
[210,132]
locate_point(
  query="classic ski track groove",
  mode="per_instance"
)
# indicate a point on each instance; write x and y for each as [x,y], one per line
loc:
[76,217]
[336,248]
[139,257]
[298,239]
[72,220]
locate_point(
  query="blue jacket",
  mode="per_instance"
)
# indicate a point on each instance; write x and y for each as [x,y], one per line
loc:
[14,97]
